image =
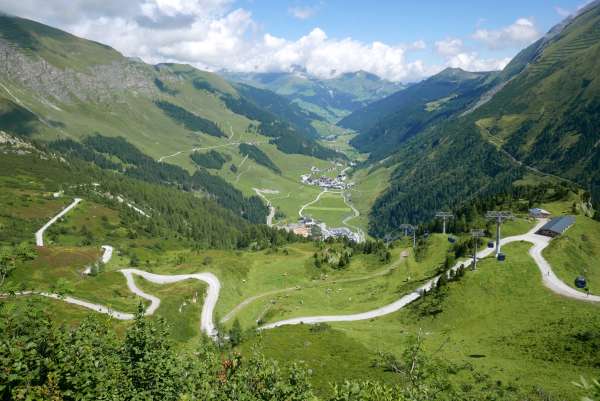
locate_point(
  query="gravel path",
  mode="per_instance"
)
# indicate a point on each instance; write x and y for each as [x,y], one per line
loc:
[212,295]
[39,235]
[261,193]
[206,318]
[356,214]
[207,325]
[539,244]
[107,252]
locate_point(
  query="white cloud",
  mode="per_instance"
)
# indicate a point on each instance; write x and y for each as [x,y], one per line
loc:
[212,35]
[326,57]
[449,47]
[418,45]
[522,32]
[562,12]
[472,62]
[302,12]
[458,56]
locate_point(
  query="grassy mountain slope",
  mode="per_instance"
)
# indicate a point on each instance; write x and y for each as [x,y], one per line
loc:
[538,121]
[545,117]
[92,85]
[54,85]
[389,122]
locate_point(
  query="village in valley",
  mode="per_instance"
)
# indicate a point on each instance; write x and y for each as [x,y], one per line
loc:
[325,180]
[333,180]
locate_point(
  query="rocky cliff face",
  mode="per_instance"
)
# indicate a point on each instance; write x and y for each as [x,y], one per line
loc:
[100,83]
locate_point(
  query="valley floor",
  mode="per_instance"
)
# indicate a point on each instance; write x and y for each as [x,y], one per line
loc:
[283,287]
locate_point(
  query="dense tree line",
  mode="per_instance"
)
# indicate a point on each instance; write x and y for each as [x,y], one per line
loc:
[518,199]
[44,362]
[211,160]
[290,130]
[258,156]
[201,84]
[188,119]
[164,88]
[16,119]
[440,182]
[138,165]
[282,107]
[199,222]
[77,149]
[337,253]
[252,208]
[284,135]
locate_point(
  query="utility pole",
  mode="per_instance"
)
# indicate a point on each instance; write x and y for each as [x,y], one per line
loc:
[476,234]
[445,216]
[499,217]
[407,228]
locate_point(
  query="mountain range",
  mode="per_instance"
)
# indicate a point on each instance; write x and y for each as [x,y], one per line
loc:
[330,99]
[452,137]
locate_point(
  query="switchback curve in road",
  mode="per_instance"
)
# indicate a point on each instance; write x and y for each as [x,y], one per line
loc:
[207,325]
[206,318]
[212,294]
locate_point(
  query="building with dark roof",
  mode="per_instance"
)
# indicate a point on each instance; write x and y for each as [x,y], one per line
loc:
[538,213]
[557,226]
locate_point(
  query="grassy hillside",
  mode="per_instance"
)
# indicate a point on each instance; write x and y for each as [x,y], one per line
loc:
[544,117]
[477,334]
[408,111]
[386,125]
[536,124]
[330,99]
[167,112]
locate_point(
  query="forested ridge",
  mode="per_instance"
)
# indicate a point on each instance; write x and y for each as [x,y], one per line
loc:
[98,148]
[200,222]
[258,156]
[211,160]
[535,117]
[295,135]
[188,119]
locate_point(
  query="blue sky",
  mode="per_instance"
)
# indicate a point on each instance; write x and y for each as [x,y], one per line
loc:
[398,22]
[398,40]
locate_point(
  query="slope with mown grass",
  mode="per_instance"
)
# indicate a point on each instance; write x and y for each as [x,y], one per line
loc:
[533,120]
[166,111]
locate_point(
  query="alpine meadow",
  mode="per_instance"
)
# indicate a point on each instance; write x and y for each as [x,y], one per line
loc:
[299,201]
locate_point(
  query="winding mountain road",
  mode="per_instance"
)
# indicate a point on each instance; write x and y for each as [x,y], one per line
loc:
[261,193]
[206,318]
[210,302]
[39,235]
[313,202]
[207,325]
[107,252]
[356,214]
[539,242]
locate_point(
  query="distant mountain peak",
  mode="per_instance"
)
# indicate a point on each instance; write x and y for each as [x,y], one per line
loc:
[361,74]
[456,73]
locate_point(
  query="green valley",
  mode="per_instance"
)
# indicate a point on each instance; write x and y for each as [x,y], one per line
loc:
[243,216]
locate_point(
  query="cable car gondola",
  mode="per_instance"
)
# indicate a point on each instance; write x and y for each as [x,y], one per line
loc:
[501,257]
[580,282]
[491,244]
